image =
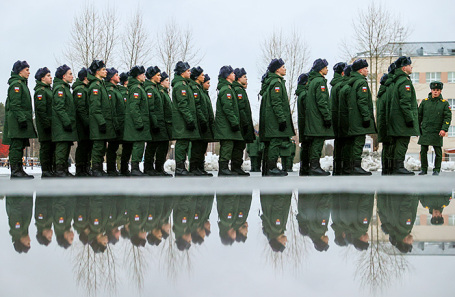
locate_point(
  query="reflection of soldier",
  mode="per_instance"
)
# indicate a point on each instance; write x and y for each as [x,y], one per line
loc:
[80,219]
[43,220]
[137,215]
[275,211]
[183,218]
[313,218]
[201,226]
[233,212]
[19,211]
[435,205]
[165,218]
[63,211]
[101,223]
[338,208]
[158,214]
[357,217]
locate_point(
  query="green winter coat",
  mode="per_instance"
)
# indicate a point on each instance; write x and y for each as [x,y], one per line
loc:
[152,96]
[206,104]
[336,83]
[19,211]
[204,112]
[317,107]
[183,215]
[18,109]
[301,93]
[203,210]
[101,110]
[43,110]
[434,115]
[286,148]
[137,113]
[381,104]
[313,214]
[137,207]
[124,91]
[274,109]
[81,103]
[63,213]
[227,112]
[118,106]
[358,214]
[158,113]
[184,111]
[401,213]
[360,106]
[43,213]
[227,207]
[275,213]
[254,148]
[403,106]
[81,214]
[63,112]
[167,110]
[437,201]
[343,108]
[246,119]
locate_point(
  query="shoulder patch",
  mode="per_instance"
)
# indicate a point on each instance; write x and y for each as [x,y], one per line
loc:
[183,92]
[79,95]
[322,88]
[95,91]
[60,93]
[195,95]
[408,87]
[229,96]
[240,96]
[136,95]
[16,89]
[149,95]
[110,96]
[39,97]
[426,99]
[364,89]
[443,100]
[277,89]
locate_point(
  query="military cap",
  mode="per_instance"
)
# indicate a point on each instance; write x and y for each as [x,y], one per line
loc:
[392,68]
[436,85]
[264,76]
[19,66]
[347,70]
[164,75]
[404,247]
[383,78]
[320,245]
[359,64]
[195,72]
[153,240]
[82,74]
[181,243]
[360,245]
[275,244]
[152,71]
[181,67]
[137,70]
[239,72]
[225,71]
[61,71]
[123,78]
[42,73]
[319,64]
[110,73]
[437,221]
[339,67]
[206,78]
[275,64]
[137,241]
[303,79]
[403,61]
[96,65]
[340,241]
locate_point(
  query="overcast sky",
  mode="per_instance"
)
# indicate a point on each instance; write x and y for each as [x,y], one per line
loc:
[228,32]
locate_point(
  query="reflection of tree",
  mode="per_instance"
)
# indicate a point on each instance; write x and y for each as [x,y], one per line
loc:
[136,263]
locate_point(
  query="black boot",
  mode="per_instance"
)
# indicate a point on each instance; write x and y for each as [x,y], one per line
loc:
[358,170]
[400,170]
[159,168]
[273,170]
[18,172]
[149,170]
[316,170]
[347,167]
[237,168]
[424,171]
[264,167]
[304,168]
[385,167]
[436,173]
[195,170]
[97,170]
[135,171]
[223,169]
[201,167]
[60,171]
[124,170]
[180,170]
[112,169]
[284,164]
[46,171]
[81,171]
[88,168]
[337,167]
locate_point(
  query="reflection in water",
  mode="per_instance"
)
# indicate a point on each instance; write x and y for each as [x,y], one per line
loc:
[233,213]
[19,211]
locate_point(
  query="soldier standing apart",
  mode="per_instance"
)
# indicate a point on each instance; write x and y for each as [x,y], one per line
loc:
[84,144]
[43,117]
[137,118]
[118,106]
[318,115]
[126,145]
[167,103]
[434,122]
[403,115]
[63,119]
[301,93]
[18,127]
[227,121]
[101,114]
[206,104]
[184,117]
[246,121]
[337,83]
[361,115]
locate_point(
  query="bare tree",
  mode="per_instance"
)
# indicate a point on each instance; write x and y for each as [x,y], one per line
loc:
[136,45]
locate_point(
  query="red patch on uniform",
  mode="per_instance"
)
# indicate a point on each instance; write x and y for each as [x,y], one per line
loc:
[96,222]
[229,216]
[79,95]
[240,96]
[136,95]
[60,93]
[95,91]
[184,220]
[110,96]
[323,88]
[136,218]
[229,96]
[184,92]
[408,222]
[16,89]
[196,216]
[277,222]
[323,223]
[365,221]
[195,95]
[277,89]
[149,95]
[18,225]
[408,87]
[40,97]
[364,89]
[61,220]
[240,214]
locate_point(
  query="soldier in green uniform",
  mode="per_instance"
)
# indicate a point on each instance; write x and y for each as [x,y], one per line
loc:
[356,218]
[18,127]
[63,119]
[435,205]
[43,117]
[336,83]
[227,121]
[361,114]
[101,115]
[84,144]
[19,212]
[118,105]
[291,159]
[80,218]
[183,218]
[381,111]
[254,151]
[318,115]
[137,118]
[167,103]
[63,213]
[233,212]
[201,226]
[246,121]
[275,121]
[403,115]
[43,219]
[301,93]
[184,117]
[434,122]
[126,146]
[343,122]
[275,213]
[206,103]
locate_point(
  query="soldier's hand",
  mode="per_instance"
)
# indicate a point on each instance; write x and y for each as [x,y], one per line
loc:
[68,128]
[156,130]
[442,133]
[102,128]
[204,127]
[410,124]
[327,124]
[23,125]
[235,128]
[282,126]
[366,124]
[140,128]
[191,126]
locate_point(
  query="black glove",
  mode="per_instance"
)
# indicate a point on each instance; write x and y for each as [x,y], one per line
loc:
[23,125]
[140,128]
[47,130]
[235,128]
[156,130]
[245,129]
[410,124]
[327,124]
[190,126]
[102,128]
[204,127]
[68,128]
[282,126]
[366,124]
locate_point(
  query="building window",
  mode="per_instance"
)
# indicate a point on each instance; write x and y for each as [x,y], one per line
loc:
[452,131]
[451,103]
[415,77]
[451,77]
[433,76]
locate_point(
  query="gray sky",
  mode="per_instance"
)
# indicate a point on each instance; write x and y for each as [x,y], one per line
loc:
[227,32]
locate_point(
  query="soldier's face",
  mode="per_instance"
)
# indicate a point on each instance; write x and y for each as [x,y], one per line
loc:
[243,80]
[407,69]
[435,93]
[364,71]
[231,77]
[69,236]
[324,70]
[47,79]
[141,77]
[68,76]
[436,214]
[25,240]
[165,83]
[282,239]
[115,79]
[47,233]
[200,78]
[186,74]
[157,233]
[25,73]
[102,72]
[281,71]
[156,78]
[206,85]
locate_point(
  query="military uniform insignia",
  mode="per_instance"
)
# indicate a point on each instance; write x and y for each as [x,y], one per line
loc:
[195,95]
[60,93]
[364,89]
[240,214]
[323,223]
[240,96]
[229,216]
[110,96]
[126,212]
[110,217]
[136,95]
[365,221]
[61,220]
[16,89]
[196,216]
[229,96]
[184,220]
[426,99]
[96,222]
[447,123]
[40,216]
[80,218]
[95,91]
[150,217]
[277,222]
[322,88]
[443,100]
[408,222]
[277,89]
[79,95]
[149,95]
[124,99]
[136,218]
[183,92]
[18,225]
[408,87]
[40,97]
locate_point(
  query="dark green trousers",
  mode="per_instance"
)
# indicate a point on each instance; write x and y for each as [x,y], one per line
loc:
[46,153]
[437,159]
[237,152]
[137,151]
[291,161]
[316,145]
[341,149]
[111,151]
[83,152]
[274,148]
[358,142]
[127,148]
[305,150]
[400,147]
[198,149]
[229,148]
[98,151]
[181,150]
[346,150]
[387,152]
[62,152]
[156,152]
[16,150]
[255,165]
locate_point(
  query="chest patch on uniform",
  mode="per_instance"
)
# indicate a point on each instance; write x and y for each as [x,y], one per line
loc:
[40,216]
[408,222]
[322,88]
[136,95]
[184,92]
[61,220]
[365,221]
[95,91]
[60,93]
[79,95]
[16,89]
[408,87]
[277,222]
[40,97]
[184,220]
[195,95]
[229,96]
[364,89]
[96,222]
[277,89]
[240,96]
[149,95]
[18,225]
[124,99]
